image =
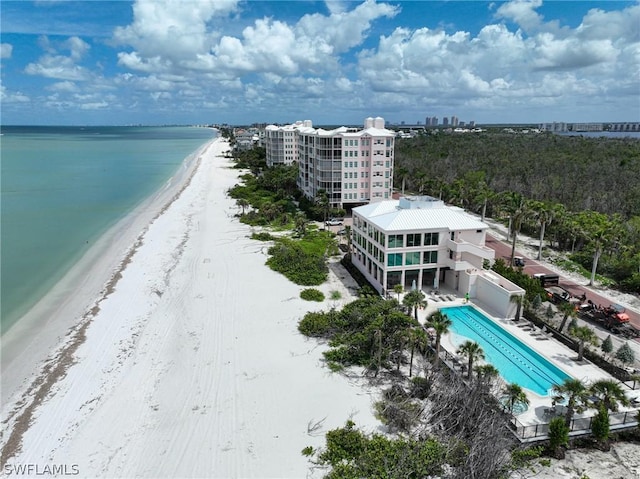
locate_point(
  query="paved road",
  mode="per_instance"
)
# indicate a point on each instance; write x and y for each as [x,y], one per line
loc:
[503,250]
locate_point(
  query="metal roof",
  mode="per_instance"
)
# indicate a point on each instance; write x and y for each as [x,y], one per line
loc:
[388,216]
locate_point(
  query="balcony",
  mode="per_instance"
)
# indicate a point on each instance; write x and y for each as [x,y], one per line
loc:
[457,265]
[460,246]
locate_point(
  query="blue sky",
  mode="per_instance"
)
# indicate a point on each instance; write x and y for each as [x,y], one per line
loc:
[334,62]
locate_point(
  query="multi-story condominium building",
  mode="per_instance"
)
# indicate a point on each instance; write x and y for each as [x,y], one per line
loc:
[419,242]
[553,127]
[281,143]
[352,166]
[454,121]
[625,126]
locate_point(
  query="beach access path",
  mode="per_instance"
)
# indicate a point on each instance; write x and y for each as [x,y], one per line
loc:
[191,364]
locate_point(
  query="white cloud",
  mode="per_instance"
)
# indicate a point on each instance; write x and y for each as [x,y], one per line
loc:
[59,67]
[164,39]
[522,12]
[5,50]
[12,97]
[66,86]
[78,47]
[172,30]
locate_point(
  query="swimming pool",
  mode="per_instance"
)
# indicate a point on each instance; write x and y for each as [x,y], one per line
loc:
[516,361]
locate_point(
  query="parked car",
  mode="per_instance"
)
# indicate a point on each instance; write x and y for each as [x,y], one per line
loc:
[333,222]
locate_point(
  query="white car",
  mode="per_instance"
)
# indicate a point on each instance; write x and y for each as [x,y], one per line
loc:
[333,222]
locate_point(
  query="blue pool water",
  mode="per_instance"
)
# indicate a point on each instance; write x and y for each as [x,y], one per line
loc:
[516,361]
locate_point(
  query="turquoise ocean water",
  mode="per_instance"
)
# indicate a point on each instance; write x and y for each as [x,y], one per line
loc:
[62,187]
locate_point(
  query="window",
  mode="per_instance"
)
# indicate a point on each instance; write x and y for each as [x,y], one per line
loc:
[412,258]
[346,175]
[396,241]
[394,259]
[430,257]
[413,239]
[382,238]
[431,239]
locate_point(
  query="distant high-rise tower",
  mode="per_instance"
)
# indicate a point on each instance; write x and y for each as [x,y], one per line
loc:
[434,121]
[445,121]
[454,121]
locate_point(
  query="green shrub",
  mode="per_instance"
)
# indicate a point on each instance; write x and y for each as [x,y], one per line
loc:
[262,236]
[289,258]
[352,454]
[558,436]
[315,324]
[600,426]
[312,294]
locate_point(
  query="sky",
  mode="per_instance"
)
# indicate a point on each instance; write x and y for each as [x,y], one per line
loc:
[333,62]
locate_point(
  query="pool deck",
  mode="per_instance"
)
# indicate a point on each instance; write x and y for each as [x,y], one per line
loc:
[554,351]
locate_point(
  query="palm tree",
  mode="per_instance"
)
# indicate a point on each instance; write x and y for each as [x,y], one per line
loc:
[322,199]
[301,223]
[519,301]
[517,207]
[610,393]
[600,233]
[417,339]
[473,351]
[398,289]
[441,323]
[486,373]
[544,213]
[242,203]
[575,392]
[515,394]
[414,299]
[568,310]
[584,334]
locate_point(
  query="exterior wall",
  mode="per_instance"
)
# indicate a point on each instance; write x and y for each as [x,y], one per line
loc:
[373,253]
[281,143]
[353,166]
[496,292]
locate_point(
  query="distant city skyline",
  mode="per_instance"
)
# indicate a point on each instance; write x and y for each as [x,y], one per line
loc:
[337,62]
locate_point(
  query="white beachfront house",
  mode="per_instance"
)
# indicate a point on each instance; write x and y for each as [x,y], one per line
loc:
[353,166]
[420,242]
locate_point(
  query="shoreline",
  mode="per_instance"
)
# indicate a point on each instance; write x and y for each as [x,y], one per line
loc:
[193,365]
[37,334]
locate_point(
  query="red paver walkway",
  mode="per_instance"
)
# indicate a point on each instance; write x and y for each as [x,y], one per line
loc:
[503,250]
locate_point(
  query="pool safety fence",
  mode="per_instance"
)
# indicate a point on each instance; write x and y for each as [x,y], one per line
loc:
[579,426]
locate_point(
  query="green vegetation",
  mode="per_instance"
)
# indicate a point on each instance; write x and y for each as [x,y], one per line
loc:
[531,285]
[335,295]
[300,261]
[262,236]
[267,197]
[352,454]
[607,345]
[366,332]
[600,427]
[312,294]
[577,194]
[625,354]
[558,437]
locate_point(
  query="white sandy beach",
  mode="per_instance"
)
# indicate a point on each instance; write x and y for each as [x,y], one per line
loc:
[191,367]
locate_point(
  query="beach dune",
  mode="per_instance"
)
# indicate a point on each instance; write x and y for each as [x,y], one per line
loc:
[190,365]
